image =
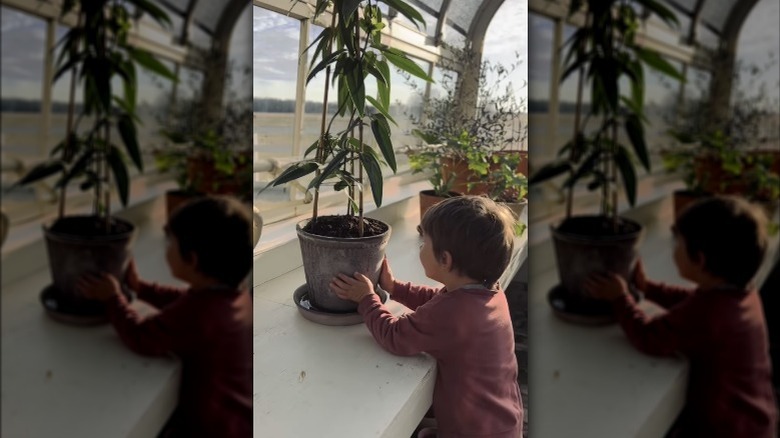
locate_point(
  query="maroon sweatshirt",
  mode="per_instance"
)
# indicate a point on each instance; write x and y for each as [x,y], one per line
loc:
[469,333]
[210,330]
[723,333]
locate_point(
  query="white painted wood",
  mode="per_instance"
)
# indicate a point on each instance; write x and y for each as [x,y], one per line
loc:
[315,380]
[61,380]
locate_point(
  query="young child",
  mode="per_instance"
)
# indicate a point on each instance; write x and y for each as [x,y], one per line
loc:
[208,325]
[465,326]
[719,326]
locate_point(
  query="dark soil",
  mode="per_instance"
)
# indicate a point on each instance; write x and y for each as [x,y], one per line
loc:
[345,227]
[597,226]
[90,226]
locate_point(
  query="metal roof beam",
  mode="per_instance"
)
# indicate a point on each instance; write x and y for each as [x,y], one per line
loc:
[439,37]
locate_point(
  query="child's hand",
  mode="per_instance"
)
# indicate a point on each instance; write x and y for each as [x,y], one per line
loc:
[606,286]
[131,276]
[640,278]
[386,279]
[99,287]
[352,288]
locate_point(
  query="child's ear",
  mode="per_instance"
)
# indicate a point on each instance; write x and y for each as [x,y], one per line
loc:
[446,260]
[192,260]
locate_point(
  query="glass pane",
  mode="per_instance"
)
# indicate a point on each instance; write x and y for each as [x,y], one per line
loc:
[461,13]
[506,45]
[758,83]
[275,47]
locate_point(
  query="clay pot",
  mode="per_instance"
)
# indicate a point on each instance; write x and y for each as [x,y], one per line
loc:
[429,198]
[463,176]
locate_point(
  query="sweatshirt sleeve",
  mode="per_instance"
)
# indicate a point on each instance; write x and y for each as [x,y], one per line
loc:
[678,330]
[170,330]
[412,295]
[408,335]
[667,296]
[158,295]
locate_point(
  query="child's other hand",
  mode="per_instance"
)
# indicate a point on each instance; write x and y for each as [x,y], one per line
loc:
[640,278]
[386,279]
[98,287]
[131,276]
[352,288]
[606,286]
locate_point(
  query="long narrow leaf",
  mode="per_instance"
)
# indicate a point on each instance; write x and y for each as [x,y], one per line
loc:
[623,161]
[550,171]
[129,136]
[375,178]
[636,134]
[119,169]
[407,11]
[149,62]
[382,109]
[294,172]
[382,136]
[322,64]
[655,61]
[407,65]
[41,171]
[329,170]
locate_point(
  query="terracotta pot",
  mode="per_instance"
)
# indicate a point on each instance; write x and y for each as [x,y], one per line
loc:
[176,198]
[428,198]
[683,198]
[463,176]
[325,257]
[713,179]
[205,178]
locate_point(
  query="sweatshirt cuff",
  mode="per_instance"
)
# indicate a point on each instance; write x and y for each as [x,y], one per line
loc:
[368,302]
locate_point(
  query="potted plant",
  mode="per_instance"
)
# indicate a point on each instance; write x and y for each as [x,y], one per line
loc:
[95,51]
[470,136]
[715,165]
[506,184]
[428,158]
[206,157]
[605,54]
[350,52]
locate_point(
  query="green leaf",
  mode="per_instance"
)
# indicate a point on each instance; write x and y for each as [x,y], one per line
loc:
[330,169]
[550,171]
[313,147]
[348,7]
[374,172]
[78,168]
[41,171]
[322,64]
[655,61]
[323,38]
[401,61]
[382,136]
[131,89]
[294,172]
[119,169]
[636,133]
[588,166]
[626,167]
[407,11]
[381,109]
[155,12]
[357,88]
[661,11]
[129,136]
[149,62]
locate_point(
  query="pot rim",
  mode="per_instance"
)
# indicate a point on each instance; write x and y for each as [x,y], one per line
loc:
[70,237]
[299,229]
[594,238]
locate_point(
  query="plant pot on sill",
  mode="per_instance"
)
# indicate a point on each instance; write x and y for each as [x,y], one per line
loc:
[517,207]
[463,176]
[683,198]
[176,198]
[325,257]
[429,198]
[205,177]
[585,245]
[77,245]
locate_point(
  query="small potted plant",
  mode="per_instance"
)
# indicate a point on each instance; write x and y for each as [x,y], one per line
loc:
[95,51]
[427,158]
[349,51]
[507,185]
[604,53]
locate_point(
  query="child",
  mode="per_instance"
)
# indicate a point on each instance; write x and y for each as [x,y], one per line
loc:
[467,245]
[208,325]
[720,243]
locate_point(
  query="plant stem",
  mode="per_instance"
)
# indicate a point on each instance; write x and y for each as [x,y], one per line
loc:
[360,180]
[71,109]
[321,146]
[577,128]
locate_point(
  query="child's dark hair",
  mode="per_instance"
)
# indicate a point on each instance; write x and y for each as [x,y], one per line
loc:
[218,230]
[729,232]
[477,232]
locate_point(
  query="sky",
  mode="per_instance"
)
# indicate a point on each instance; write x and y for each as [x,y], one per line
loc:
[274,43]
[21,70]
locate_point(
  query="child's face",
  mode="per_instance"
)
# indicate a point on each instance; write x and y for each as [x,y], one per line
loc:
[179,267]
[686,267]
[428,259]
